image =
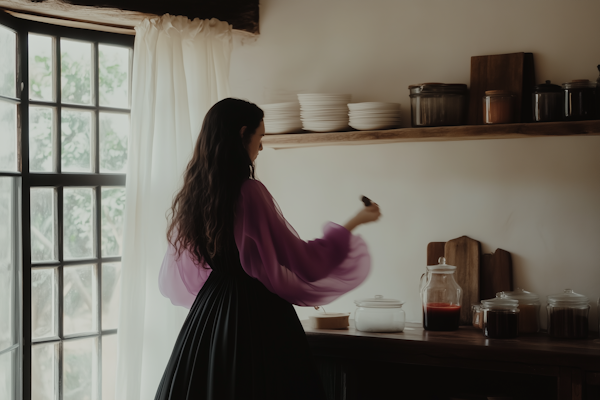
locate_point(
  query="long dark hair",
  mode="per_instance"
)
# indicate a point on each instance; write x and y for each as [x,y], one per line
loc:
[202,213]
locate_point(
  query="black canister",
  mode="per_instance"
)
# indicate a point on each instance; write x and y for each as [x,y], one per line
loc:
[580,100]
[547,103]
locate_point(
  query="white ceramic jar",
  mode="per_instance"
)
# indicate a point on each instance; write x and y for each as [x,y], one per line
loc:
[379,315]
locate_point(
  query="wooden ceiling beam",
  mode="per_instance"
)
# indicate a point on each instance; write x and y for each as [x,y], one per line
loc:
[126,14]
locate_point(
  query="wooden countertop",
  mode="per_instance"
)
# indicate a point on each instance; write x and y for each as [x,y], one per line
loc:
[467,347]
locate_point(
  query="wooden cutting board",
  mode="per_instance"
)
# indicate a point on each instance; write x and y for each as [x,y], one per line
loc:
[513,72]
[465,254]
[435,250]
[496,273]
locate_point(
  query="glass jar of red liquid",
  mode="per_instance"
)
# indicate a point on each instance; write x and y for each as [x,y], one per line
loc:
[568,315]
[500,318]
[441,297]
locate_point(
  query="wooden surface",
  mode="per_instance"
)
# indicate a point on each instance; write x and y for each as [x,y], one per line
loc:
[441,133]
[496,274]
[542,354]
[243,15]
[465,254]
[435,250]
[513,72]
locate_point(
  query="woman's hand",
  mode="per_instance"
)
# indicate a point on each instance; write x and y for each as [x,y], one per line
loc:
[367,214]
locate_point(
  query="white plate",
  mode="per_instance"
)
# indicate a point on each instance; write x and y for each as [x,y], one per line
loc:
[374,105]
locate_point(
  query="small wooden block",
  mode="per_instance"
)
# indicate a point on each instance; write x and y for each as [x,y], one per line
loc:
[329,321]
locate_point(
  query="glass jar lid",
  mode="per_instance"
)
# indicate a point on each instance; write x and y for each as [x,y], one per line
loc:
[522,296]
[547,87]
[434,87]
[500,303]
[379,302]
[568,298]
[579,83]
[441,267]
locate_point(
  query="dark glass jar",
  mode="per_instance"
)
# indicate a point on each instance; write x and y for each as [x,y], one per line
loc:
[438,104]
[547,102]
[579,100]
[500,318]
[568,315]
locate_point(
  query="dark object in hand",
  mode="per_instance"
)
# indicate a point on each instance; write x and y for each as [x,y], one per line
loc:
[367,201]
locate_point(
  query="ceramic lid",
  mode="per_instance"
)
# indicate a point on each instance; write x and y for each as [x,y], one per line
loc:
[379,302]
[547,87]
[498,93]
[523,296]
[568,298]
[441,267]
[500,303]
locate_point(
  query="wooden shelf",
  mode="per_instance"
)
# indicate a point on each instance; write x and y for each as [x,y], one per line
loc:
[441,133]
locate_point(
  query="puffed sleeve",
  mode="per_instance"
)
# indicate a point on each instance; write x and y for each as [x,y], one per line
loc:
[181,278]
[304,273]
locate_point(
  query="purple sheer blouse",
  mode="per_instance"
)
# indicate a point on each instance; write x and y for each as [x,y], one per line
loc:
[304,273]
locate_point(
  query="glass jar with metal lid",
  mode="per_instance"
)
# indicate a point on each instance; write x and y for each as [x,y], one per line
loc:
[438,104]
[579,100]
[547,103]
[568,315]
[500,318]
[529,306]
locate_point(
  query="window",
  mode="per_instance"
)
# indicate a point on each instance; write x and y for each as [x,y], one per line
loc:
[64,124]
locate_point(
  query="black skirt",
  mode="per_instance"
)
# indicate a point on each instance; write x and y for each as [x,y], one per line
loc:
[240,341]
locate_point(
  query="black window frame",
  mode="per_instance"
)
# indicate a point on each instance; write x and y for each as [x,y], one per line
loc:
[26,180]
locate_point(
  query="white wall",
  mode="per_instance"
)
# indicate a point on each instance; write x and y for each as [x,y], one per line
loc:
[537,198]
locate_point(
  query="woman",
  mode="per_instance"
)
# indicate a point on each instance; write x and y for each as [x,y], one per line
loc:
[240,266]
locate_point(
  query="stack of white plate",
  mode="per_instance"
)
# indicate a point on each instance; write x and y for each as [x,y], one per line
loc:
[324,112]
[282,118]
[374,115]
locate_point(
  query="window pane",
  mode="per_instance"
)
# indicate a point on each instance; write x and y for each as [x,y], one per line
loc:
[113,71]
[44,302]
[8,302]
[44,368]
[111,294]
[41,127]
[76,131]
[80,299]
[40,67]
[109,366]
[8,63]
[78,223]
[76,71]
[7,375]
[8,136]
[42,225]
[114,130]
[80,366]
[113,207]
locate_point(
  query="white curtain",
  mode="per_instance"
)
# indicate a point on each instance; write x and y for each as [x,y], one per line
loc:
[180,69]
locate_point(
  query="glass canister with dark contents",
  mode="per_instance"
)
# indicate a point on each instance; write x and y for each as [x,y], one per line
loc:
[500,318]
[568,315]
[547,103]
[579,100]
[438,104]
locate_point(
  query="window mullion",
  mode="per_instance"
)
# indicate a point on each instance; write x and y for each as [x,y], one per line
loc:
[23,129]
